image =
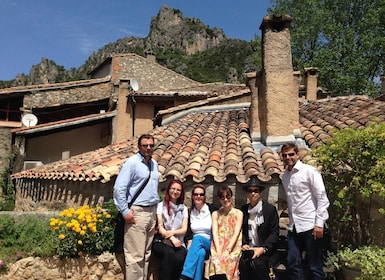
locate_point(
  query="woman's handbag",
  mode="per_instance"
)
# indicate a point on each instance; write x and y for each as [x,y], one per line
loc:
[158,238]
[247,254]
[218,277]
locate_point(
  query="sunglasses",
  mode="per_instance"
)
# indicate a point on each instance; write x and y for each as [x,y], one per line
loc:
[198,194]
[253,190]
[288,155]
[147,145]
[228,197]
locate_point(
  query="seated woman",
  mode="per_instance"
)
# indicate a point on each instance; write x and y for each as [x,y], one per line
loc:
[227,238]
[199,236]
[172,217]
[260,233]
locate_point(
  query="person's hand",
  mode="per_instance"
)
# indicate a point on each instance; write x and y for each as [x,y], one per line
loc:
[258,251]
[129,218]
[245,247]
[318,232]
[177,243]
[168,234]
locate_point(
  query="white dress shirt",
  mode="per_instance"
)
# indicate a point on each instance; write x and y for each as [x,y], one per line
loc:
[306,197]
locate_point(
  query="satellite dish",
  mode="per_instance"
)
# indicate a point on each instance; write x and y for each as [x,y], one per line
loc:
[29,120]
[134,84]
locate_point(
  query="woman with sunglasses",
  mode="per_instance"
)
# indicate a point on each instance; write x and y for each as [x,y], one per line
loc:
[227,238]
[198,236]
[172,217]
[260,233]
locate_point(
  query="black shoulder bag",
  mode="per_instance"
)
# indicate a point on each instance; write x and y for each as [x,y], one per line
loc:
[141,187]
[119,228]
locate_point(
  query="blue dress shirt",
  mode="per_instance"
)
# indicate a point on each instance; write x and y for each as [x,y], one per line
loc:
[131,176]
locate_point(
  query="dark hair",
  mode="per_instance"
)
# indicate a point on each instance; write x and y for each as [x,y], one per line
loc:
[145,136]
[180,199]
[197,186]
[288,146]
[224,190]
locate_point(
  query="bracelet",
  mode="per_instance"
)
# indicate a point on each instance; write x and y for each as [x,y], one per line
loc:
[265,250]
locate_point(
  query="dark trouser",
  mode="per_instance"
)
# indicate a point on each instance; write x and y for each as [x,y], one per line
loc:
[304,241]
[256,269]
[172,260]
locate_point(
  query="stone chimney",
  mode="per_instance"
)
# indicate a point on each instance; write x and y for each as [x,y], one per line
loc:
[311,76]
[278,107]
[150,55]
[255,127]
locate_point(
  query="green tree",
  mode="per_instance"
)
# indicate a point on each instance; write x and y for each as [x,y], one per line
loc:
[343,39]
[353,167]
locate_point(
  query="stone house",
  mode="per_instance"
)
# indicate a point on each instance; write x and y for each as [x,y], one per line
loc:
[225,138]
[89,109]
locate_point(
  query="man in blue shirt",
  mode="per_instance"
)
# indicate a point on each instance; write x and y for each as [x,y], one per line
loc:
[140,218]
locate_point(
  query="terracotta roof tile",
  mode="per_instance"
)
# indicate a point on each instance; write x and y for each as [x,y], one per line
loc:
[216,144]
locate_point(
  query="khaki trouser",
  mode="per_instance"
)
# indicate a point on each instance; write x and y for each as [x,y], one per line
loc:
[138,241]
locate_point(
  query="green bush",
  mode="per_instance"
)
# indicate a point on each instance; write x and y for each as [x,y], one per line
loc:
[353,168]
[367,260]
[25,236]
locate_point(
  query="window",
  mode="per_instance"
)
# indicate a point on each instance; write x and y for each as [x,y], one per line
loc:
[10,109]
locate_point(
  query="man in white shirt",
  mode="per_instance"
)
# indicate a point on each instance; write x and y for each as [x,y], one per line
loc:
[308,204]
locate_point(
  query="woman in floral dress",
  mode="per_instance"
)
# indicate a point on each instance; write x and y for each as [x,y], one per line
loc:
[227,237]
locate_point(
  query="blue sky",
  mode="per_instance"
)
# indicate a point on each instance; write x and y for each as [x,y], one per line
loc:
[68,31]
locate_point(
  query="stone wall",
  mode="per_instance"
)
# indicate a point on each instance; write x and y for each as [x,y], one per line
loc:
[45,195]
[68,95]
[104,267]
[149,75]
[5,149]
[5,146]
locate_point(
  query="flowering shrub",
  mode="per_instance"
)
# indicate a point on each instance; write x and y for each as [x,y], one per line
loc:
[82,231]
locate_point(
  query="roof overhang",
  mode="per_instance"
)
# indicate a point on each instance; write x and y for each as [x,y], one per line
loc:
[63,124]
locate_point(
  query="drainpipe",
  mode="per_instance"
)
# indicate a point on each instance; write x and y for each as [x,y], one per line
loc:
[133,103]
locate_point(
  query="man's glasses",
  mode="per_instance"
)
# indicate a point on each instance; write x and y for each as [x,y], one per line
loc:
[228,197]
[253,190]
[147,145]
[288,155]
[198,194]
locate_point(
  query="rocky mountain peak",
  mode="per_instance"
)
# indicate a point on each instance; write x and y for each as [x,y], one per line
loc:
[169,29]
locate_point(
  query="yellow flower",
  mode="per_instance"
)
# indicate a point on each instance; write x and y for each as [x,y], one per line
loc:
[82,232]
[61,236]
[80,242]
